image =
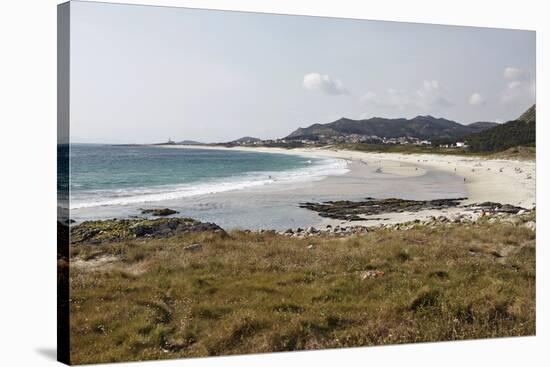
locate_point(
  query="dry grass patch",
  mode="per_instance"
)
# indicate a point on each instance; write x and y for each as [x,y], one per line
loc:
[249,293]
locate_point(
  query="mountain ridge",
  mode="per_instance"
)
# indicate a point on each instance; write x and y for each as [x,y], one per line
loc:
[421,127]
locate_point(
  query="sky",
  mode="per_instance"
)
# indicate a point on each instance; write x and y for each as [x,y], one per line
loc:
[143,74]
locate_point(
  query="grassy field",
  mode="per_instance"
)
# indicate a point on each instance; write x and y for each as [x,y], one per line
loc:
[519,153]
[248,293]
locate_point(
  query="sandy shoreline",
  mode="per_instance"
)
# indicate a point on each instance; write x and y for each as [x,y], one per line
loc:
[502,181]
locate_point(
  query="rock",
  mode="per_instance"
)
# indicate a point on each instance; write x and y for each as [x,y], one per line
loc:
[490,206]
[354,210]
[311,230]
[159,212]
[193,247]
[310,247]
[521,212]
[121,230]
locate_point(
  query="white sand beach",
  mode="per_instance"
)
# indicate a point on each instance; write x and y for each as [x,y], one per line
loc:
[502,181]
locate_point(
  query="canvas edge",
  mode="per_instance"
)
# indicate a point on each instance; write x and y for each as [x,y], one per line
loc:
[63,217]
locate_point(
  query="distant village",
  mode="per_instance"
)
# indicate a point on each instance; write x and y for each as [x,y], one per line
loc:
[348,139]
[330,140]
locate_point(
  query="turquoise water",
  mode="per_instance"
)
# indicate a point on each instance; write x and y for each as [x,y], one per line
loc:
[231,188]
[107,175]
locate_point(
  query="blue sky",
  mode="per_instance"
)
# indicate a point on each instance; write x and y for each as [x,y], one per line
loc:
[143,74]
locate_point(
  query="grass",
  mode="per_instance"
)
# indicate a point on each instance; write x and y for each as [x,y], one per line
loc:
[527,153]
[250,293]
[407,149]
[516,153]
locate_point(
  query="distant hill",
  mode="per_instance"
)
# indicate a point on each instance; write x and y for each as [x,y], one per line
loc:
[246,140]
[421,127]
[530,115]
[189,142]
[482,125]
[520,132]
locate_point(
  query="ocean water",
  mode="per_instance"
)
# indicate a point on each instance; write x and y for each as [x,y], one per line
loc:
[234,189]
[108,175]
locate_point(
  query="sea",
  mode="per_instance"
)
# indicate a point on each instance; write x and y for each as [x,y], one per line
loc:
[118,180]
[232,188]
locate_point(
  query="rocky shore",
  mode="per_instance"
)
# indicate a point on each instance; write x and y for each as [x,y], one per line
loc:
[487,212]
[114,230]
[359,210]
[348,212]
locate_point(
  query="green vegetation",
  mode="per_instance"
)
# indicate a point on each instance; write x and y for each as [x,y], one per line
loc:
[99,231]
[520,132]
[502,137]
[406,149]
[247,292]
[515,152]
[423,127]
[518,153]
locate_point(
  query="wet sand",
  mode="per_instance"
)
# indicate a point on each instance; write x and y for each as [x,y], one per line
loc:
[384,175]
[502,181]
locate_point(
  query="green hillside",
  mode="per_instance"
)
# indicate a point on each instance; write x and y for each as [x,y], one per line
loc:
[422,127]
[520,132]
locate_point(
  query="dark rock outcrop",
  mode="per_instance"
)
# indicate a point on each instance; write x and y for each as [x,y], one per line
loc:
[100,231]
[356,210]
[490,206]
[159,212]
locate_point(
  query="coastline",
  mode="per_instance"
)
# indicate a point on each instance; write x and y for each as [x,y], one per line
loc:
[485,180]
[429,266]
[497,180]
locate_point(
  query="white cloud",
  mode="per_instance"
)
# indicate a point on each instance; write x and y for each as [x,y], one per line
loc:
[476,99]
[520,85]
[369,97]
[512,73]
[428,97]
[431,96]
[323,83]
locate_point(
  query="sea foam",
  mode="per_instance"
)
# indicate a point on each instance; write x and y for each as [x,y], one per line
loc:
[317,170]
